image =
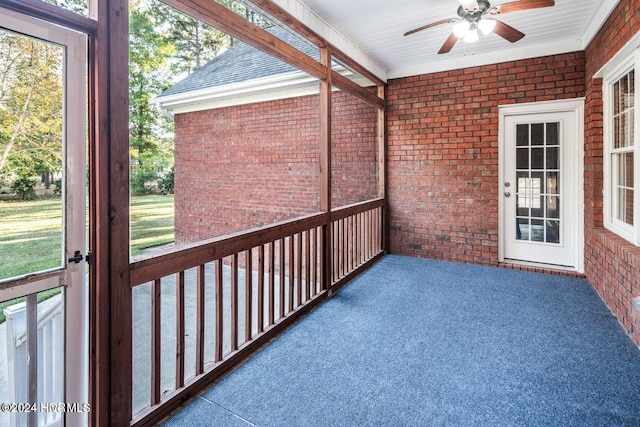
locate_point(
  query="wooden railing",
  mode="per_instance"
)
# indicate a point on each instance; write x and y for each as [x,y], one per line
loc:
[200,310]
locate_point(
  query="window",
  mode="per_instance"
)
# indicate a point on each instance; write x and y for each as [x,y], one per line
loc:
[622,151]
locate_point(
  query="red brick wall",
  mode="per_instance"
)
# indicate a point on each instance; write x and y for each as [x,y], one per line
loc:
[246,166]
[612,264]
[442,160]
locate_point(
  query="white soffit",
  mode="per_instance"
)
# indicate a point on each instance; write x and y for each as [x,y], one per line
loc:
[309,17]
[375,28]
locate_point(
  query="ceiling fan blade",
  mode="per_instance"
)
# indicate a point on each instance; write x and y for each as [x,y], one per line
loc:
[424,27]
[469,5]
[516,6]
[507,32]
[448,44]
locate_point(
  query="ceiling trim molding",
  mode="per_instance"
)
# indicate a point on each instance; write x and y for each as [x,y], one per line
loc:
[599,18]
[310,18]
[526,52]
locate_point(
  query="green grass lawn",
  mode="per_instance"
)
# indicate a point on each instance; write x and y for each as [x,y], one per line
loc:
[31,232]
[151,222]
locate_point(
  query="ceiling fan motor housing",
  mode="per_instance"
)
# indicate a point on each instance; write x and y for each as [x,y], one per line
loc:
[474,15]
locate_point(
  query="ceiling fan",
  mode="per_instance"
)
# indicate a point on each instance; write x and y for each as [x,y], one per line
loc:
[475,15]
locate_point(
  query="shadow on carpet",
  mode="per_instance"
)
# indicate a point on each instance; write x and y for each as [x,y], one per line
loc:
[416,342]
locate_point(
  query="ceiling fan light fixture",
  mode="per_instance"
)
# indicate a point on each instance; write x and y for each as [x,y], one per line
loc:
[486,25]
[472,35]
[461,28]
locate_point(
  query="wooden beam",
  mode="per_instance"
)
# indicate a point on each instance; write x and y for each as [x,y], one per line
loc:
[282,15]
[344,84]
[220,17]
[111,314]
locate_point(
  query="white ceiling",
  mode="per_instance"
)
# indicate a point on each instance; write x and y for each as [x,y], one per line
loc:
[376,28]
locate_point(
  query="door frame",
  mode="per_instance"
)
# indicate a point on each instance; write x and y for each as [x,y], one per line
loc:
[72,276]
[574,106]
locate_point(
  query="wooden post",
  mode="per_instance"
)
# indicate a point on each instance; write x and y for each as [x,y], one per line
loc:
[111,317]
[382,165]
[325,164]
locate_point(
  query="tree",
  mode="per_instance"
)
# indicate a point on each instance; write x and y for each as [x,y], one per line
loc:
[31,84]
[164,46]
[149,74]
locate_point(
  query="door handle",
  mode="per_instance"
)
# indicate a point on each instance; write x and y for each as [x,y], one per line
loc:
[507,194]
[77,257]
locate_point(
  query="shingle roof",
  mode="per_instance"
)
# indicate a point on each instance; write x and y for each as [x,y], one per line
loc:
[241,62]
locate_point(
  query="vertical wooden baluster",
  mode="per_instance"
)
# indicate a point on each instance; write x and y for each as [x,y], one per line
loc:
[354,241]
[200,319]
[314,263]
[373,232]
[376,239]
[360,240]
[324,261]
[272,283]
[299,267]
[336,251]
[248,293]
[234,302]
[364,236]
[380,214]
[307,263]
[291,273]
[219,311]
[156,340]
[281,270]
[345,251]
[179,329]
[260,289]
[371,236]
[377,213]
[350,245]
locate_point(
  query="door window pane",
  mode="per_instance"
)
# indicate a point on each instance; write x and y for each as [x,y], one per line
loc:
[553,207]
[552,231]
[522,158]
[31,238]
[537,158]
[552,137]
[537,230]
[522,135]
[537,134]
[553,184]
[552,157]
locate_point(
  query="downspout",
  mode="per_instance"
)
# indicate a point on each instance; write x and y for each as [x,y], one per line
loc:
[167,113]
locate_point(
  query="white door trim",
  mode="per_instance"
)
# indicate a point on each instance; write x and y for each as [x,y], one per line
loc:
[576,108]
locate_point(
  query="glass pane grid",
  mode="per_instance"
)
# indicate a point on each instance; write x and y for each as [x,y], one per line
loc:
[537,182]
[622,155]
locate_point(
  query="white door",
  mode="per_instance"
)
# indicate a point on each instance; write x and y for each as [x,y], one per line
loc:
[540,186]
[43,109]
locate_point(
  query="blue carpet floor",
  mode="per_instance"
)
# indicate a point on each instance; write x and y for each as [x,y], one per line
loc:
[415,342]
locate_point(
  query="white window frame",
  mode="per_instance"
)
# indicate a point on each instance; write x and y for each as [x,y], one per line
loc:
[628,232]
